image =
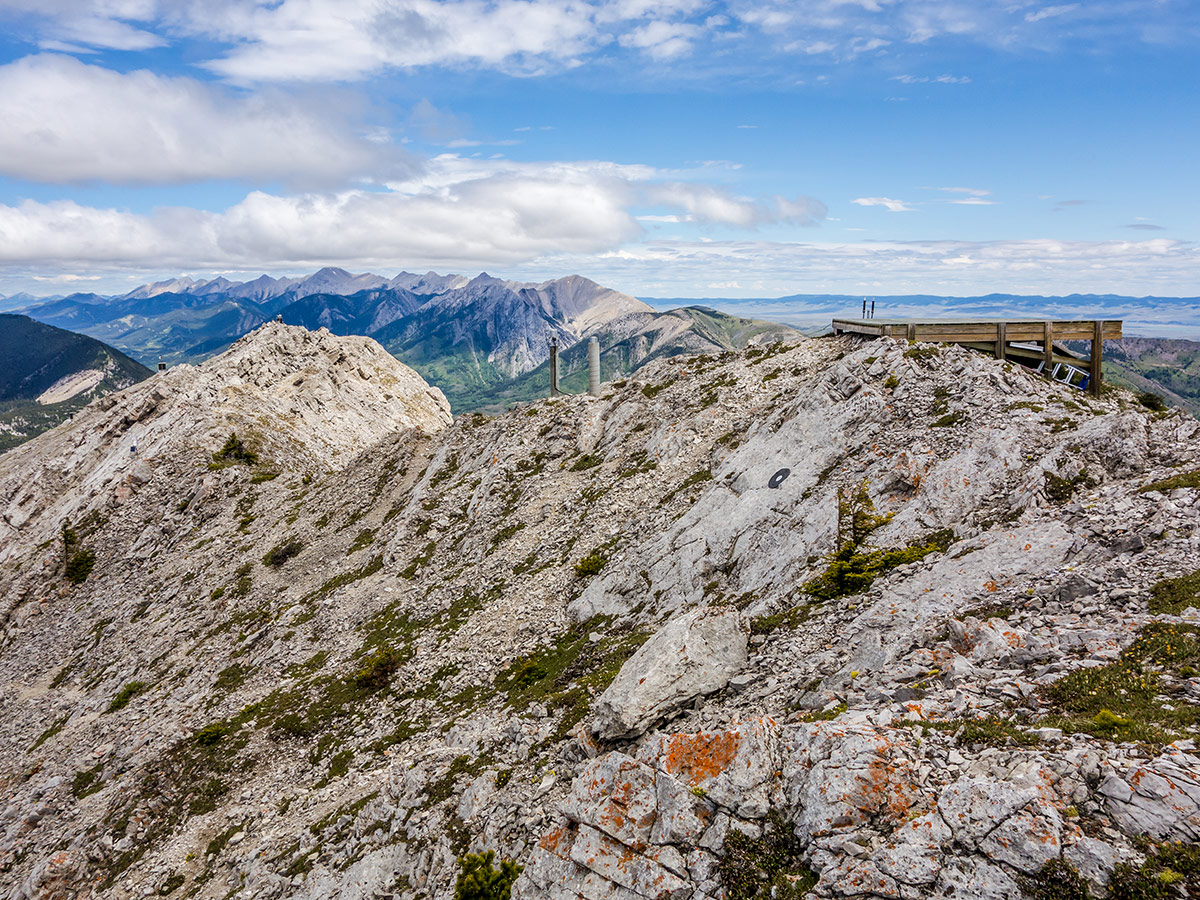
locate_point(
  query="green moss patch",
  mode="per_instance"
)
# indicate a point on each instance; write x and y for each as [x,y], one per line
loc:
[1172,596]
[1057,880]
[127,693]
[769,867]
[339,581]
[1171,870]
[87,783]
[1119,701]
[1060,490]
[567,674]
[1182,480]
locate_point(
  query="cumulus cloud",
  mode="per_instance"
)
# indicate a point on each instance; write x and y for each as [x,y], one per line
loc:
[455,212]
[62,120]
[887,202]
[714,205]
[338,40]
[662,40]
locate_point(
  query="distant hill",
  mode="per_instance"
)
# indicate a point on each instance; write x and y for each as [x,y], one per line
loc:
[1169,368]
[47,374]
[1150,316]
[483,341]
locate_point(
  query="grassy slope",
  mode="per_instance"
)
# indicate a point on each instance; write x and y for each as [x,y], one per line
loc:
[34,356]
[619,357]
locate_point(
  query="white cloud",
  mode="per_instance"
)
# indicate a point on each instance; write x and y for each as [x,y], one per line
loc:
[339,40]
[456,211]
[974,192]
[888,202]
[935,79]
[308,40]
[662,40]
[973,201]
[64,121]
[1050,12]
[717,206]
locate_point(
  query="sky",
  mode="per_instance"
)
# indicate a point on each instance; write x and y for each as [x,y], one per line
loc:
[670,148]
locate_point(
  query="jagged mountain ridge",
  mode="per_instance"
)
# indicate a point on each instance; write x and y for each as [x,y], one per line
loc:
[47,374]
[443,662]
[473,338]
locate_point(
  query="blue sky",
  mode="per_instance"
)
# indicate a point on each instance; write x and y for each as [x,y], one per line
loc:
[663,147]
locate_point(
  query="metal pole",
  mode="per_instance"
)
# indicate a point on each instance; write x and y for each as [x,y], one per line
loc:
[594,367]
[864,315]
[872,307]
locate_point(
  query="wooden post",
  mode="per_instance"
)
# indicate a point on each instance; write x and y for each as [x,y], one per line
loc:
[1047,348]
[1001,341]
[912,331]
[1097,354]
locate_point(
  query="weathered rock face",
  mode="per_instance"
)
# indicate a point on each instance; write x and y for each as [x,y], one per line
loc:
[693,656]
[304,400]
[332,672]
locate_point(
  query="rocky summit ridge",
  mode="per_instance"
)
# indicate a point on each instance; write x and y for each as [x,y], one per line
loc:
[857,618]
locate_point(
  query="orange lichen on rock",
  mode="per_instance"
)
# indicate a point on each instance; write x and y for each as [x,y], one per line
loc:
[554,839]
[699,757]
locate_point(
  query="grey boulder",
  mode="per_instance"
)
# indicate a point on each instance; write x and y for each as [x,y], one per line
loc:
[693,655]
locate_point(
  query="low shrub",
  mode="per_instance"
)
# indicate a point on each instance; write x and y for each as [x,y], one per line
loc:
[281,553]
[79,566]
[1151,401]
[234,452]
[478,879]
[377,671]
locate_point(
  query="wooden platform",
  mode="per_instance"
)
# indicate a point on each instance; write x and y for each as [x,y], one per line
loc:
[1004,338]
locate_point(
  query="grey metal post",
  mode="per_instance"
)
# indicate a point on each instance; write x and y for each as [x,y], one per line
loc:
[554,367]
[593,367]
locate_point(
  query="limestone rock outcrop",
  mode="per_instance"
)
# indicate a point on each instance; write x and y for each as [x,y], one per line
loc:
[601,637]
[692,656]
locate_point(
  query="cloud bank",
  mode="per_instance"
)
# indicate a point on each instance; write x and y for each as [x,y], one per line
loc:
[62,120]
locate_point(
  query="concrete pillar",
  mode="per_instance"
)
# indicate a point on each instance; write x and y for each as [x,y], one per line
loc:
[594,367]
[554,367]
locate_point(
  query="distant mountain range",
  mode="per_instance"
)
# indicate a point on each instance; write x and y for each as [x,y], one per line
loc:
[47,374]
[483,340]
[1150,316]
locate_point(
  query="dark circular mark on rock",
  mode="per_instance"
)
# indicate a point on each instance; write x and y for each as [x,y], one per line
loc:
[778,478]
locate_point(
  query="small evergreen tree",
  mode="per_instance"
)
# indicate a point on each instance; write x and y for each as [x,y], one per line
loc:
[478,879]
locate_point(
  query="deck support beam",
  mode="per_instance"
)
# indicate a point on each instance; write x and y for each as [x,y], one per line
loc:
[1095,376]
[1001,341]
[1047,348]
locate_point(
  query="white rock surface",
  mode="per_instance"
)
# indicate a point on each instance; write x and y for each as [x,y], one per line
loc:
[694,655]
